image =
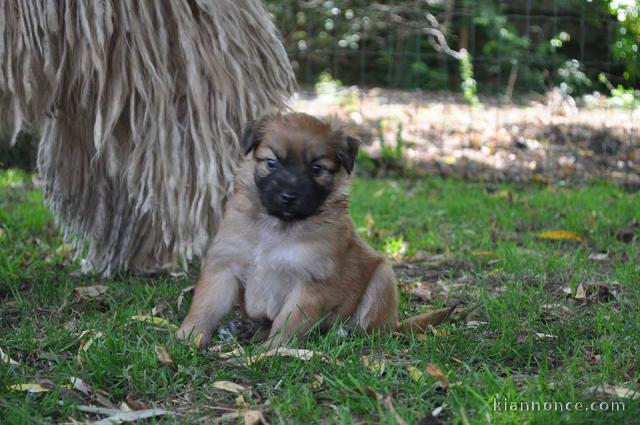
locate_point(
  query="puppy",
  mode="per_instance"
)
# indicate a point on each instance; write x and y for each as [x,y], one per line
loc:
[286,248]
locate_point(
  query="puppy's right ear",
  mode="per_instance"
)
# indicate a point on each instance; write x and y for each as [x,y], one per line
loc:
[250,138]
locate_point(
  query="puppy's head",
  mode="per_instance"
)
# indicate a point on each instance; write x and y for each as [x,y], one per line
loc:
[299,161]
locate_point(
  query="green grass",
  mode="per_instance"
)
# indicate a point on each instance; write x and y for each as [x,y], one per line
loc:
[469,242]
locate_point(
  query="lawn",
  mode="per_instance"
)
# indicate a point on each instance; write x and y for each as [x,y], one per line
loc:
[538,320]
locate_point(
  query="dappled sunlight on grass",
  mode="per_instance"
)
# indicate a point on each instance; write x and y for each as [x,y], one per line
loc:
[13,178]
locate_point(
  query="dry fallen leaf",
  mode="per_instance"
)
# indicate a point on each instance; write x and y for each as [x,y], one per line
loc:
[254,417]
[163,356]
[297,353]
[31,388]
[545,336]
[136,404]
[80,385]
[158,321]
[389,405]
[377,366]
[231,387]
[598,292]
[421,322]
[125,407]
[600,256]
[560,235]
[486,254]
[435,371]
[86,344]
[474,324]
[241,402]
[422,293]
[183,292]
[615,391]
[91,291]
[131,416]
[4,357]
[414,373]
[317,382]
[63,252]
[236,352]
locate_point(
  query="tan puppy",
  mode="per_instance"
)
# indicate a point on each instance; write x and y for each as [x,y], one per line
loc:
[287,249]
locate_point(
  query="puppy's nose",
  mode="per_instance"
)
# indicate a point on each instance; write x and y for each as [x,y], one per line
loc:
[288,198]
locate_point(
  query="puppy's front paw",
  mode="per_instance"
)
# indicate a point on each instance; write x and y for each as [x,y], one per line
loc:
[191,334]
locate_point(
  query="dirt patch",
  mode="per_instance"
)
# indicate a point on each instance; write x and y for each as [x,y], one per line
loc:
[537,140]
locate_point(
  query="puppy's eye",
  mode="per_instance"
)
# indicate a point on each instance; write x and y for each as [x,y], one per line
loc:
[316,169]
[272,164]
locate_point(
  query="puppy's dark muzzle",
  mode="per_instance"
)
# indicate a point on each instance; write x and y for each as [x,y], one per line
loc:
[288,198]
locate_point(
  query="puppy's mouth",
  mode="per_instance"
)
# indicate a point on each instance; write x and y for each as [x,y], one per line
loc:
[287,215]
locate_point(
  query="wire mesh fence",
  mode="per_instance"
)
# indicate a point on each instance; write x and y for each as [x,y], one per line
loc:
[533,61]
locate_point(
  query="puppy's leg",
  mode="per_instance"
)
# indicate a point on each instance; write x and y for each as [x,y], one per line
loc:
[378,307]
[298,315]
[215,294]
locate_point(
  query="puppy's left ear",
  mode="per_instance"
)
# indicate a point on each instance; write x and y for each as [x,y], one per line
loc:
[347,153]
[250,138]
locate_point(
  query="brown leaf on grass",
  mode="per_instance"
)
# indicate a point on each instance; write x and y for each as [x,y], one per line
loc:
[228,386]
[560,235]
[254,417]
[421,322]
[377,366]
[136,404]
[4,357]
[592,358]
[597,292]
[435,371]
[93,291]
[617,391]
[163,356]
[368,391]
[183,292]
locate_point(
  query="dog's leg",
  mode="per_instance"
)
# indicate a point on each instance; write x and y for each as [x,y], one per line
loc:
[378,307]
[215,294]
[297,316]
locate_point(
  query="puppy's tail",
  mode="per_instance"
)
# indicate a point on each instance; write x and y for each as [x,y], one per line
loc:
[421,322]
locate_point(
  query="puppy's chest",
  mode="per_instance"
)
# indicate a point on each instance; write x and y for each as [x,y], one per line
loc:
[296,258]
[281,268]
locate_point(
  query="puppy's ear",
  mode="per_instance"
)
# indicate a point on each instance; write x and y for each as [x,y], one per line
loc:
[347,153]
[250,138]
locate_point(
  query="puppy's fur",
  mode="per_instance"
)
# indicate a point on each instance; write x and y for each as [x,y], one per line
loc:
[287,249]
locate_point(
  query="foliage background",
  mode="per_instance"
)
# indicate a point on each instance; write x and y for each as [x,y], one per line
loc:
[546,43]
